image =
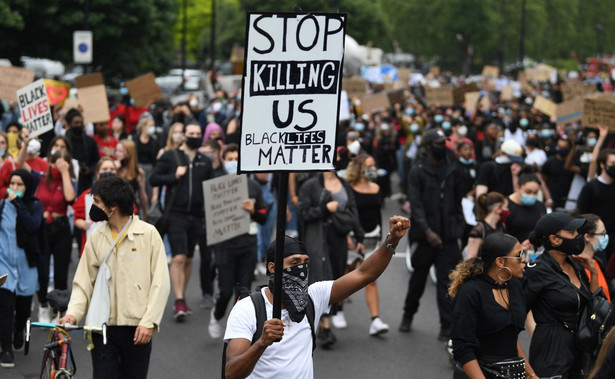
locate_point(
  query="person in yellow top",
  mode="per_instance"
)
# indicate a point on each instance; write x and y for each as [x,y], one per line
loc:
[138,288]
[596,239]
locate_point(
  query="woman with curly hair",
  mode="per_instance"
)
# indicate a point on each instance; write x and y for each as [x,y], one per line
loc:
[489,310]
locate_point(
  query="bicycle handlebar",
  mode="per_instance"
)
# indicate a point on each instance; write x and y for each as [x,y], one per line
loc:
[66,327]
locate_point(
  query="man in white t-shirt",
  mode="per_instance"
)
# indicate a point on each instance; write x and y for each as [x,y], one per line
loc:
[292,356]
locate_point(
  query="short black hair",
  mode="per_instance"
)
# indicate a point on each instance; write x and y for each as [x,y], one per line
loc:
[231,147]
[72,113]
[115,191]
[604,155]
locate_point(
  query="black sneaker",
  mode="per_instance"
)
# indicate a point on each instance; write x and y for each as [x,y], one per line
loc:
[406,321]
[326,338]
[18,340]
[8,359]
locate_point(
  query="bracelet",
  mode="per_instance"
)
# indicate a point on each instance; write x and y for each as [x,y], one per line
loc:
[391,247]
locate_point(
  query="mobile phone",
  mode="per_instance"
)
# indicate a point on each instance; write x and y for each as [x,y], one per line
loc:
[3,279]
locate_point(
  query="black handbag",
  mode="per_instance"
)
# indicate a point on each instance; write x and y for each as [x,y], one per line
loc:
[596,320]
[511,368]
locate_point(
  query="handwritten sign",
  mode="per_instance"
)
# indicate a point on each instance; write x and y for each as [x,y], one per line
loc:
[541,73]
[459,92]
[569,111]
[598,112]
[291,93]
[144,90]
[57,92]
[92,97]
[545,106]
[35,110]
[377,102]
[439,96]
[396,96]
[224,217]
[573,89]
[507,93]
[354,86]
[491,71]
[472,99]
[12,79]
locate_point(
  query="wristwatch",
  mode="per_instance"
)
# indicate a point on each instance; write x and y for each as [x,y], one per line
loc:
[390,246]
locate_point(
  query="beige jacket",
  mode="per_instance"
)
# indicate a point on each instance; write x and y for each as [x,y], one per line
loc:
[139,284]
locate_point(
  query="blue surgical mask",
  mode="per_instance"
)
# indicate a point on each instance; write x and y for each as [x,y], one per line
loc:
[410,111]
[446,125]
[414,128]
[524,122]
[466,161]
[603,241]
[123,91]
[438,118]
[528,200]
[18,193]
[359,126]
[2,152]
[546,133]
[231,167]
[591,142]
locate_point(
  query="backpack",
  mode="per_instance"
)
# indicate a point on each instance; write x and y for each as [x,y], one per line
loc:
[261,316]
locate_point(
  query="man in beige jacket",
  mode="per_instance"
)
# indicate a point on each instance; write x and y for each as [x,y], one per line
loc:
[138,288]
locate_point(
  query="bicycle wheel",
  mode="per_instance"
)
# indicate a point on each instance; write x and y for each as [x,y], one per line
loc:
[48,370]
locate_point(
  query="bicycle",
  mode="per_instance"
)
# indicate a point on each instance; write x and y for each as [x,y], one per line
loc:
[58,360]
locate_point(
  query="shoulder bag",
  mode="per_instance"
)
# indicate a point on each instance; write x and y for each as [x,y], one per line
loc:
[596,320]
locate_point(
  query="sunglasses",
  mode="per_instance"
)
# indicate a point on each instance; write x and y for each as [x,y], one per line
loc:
[522,255]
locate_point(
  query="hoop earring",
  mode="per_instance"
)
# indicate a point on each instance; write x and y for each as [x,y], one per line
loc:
[509,272]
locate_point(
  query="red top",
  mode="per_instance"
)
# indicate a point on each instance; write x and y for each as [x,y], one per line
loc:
[52,197]
[132,118]
[9,165]
[106,148]
[79,209]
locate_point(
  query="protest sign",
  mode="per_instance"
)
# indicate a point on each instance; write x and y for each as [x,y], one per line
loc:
[344,107]
[439,96]
[397,96]
[434,70]
[291,93]
[354,86]
[507,93]
[459,92]
[569,111]
[491,71]
[545,106]
[573,89]
[57,92]
[472,98]
[541,73]
[598,112]
[35,109]
[403,76]
[224,217]
[92,97]
[12,79]
[144,90]
[377,102]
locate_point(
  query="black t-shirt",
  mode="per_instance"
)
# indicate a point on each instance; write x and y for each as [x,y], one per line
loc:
[558,180]
[496,176]
[522,219]
[467,176]
[599,198]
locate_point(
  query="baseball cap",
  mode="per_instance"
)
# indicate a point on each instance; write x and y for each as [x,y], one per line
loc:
[513,150]
[291,247]
[433,136]
[555,221]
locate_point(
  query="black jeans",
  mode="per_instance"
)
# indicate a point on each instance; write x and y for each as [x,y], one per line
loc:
[337,249]
[14,311]
[120,357]
[235,267]
[57,241]
[445,259]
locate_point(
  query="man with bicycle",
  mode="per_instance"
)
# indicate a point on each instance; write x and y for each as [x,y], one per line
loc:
[138,288]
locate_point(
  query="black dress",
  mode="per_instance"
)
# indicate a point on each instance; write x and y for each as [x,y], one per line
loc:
[483,329]
[522,219]
[556,304]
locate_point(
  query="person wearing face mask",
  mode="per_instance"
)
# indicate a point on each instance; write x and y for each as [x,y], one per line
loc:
[435,196]
[21,214]
[457,136]
[84,149]
[556,288]
[555,175]
[235,259]
[534,155]
[500,174]
[596,240]
[525,208]
[138,292]
[147,145]
[468,168]
[183,170]
[598,197]
[515,130]
[292,356]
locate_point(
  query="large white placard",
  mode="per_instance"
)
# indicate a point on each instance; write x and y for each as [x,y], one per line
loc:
[34,108]
[291,91]
[224,216]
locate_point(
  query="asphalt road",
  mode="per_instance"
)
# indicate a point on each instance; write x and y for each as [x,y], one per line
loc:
[185,350]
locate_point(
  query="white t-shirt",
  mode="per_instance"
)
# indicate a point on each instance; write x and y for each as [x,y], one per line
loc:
[538,157]
[291,357]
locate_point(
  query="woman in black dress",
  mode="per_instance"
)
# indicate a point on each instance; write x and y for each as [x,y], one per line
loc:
[556,290]
[489,308]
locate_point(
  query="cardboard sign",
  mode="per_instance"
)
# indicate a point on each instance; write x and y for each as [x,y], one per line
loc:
[397,96]
[435,70]
[472,98]
[35,109]
[12,79]
[598,112]
[569,111]
[354,86]
[573,89]
[144,90]
[439,96]
[541,73]
[507,93]
[377,102]
[291,93]
[545,106]
[491,71]
[92,97]
[224,217]
[403,76]
[459,92]
[57,92]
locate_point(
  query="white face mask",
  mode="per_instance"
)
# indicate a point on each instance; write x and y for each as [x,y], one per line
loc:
[463,130]
[231,167]
[216,107]
[34,147]
[354,147]
[177,137]
[194,103]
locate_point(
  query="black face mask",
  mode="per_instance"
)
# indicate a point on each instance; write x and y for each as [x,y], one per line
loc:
[611,171]
[193,142]
[77,131]
[438,152]
[97,214]
[562,152]
[571,246]
[294,290]
[106,174]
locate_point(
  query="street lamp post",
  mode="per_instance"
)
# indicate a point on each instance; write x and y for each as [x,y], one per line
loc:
[184,30]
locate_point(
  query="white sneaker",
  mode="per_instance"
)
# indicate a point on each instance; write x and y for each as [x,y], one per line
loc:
[45,314]
[215,328]
[339,321]
[378,327]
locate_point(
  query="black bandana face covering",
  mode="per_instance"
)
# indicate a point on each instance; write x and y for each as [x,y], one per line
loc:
[294,290]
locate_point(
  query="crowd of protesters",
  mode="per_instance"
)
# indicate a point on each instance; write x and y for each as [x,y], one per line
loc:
[465,174]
